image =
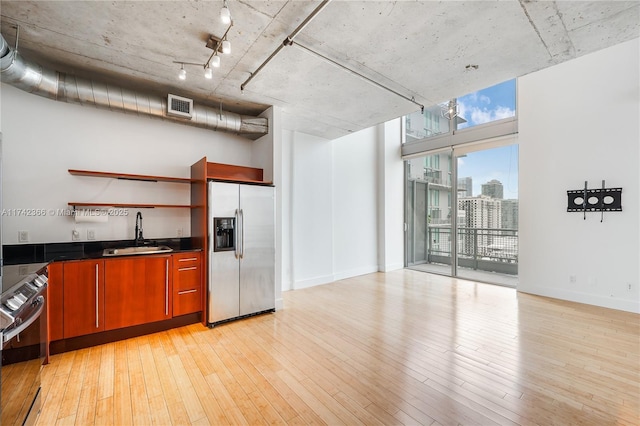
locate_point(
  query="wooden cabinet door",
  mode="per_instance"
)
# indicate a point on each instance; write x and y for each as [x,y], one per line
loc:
[137,290]
[55,297]
[83,304]
[187,283]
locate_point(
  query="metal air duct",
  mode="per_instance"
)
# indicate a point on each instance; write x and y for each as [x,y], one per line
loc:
[33,78]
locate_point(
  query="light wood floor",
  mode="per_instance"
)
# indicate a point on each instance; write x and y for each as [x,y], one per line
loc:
[398,348]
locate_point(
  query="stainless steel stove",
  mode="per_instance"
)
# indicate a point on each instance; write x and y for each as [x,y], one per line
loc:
[23,332]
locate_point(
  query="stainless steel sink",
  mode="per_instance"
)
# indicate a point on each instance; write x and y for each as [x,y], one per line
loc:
[124,251]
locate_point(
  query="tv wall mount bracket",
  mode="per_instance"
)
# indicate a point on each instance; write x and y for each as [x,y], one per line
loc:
[594,200]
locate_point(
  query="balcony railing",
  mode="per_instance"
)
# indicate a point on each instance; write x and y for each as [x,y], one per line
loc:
[485,249]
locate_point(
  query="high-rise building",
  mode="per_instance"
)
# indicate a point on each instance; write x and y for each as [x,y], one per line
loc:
[493,189]
[480,212]
[465,187]
[510,214]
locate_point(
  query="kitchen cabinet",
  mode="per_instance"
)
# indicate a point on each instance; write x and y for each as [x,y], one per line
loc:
[83,297]
[100,295]
[55,298]
[187,283]
[137,290]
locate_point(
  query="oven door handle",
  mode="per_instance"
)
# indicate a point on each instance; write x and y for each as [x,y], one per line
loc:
[19,329]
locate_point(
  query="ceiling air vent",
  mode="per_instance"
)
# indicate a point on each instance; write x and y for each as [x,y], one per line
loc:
[179,107]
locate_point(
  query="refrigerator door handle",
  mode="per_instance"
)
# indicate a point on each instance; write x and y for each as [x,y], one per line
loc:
[242,233]
[235,236]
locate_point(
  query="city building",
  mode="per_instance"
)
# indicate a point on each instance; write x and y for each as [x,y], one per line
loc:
[465,187]
[510,214]
[493,189]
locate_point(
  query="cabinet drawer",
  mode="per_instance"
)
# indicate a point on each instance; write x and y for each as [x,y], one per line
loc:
[186,301]
[187,278]
[187,283]
[184,260]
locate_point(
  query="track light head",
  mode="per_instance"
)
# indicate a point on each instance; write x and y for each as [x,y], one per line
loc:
[226,47]
[225,14]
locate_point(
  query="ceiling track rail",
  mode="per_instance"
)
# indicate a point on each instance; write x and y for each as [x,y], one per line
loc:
[357,74]
[287,41]
[290,42]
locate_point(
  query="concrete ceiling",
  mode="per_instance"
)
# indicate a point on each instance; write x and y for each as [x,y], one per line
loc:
[417,48]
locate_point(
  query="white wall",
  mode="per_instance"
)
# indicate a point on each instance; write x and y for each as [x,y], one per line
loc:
[342,205]
[579,121]
[355,204]
[312,210]
[391,199]
[43,138]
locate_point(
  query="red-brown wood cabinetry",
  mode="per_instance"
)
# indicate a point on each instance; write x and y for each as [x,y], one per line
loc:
[83,305]
[187,283]
[91,296]
[55,298]
[137,290]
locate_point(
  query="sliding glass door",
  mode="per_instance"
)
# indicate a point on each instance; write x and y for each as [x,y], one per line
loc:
[428,209]
[486,218]
[487,225]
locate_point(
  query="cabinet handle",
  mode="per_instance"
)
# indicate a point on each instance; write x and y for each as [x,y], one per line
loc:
[190,259]
[166,288]
[97,304]
[187,291]
[188,269]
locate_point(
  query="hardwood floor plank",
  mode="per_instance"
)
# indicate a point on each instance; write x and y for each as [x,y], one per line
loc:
[141,413]
[187,393]
[107,371]
[86,412]
[122,410]
[395,348]
[71,398]
[104,412]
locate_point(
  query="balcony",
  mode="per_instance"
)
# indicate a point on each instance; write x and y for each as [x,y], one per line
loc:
[485,254]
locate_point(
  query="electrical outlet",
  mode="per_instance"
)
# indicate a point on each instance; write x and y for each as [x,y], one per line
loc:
[91,234]
[572,278]
[23,236]
[629,288]
[75,235]
[179,232]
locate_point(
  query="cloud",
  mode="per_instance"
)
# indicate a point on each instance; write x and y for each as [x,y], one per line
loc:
[476,114]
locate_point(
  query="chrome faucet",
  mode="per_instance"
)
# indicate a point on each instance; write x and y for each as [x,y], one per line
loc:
[139,237]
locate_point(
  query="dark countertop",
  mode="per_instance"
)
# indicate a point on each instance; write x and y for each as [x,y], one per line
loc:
[51,252]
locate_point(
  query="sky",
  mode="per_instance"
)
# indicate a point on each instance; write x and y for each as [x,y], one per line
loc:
[501,163]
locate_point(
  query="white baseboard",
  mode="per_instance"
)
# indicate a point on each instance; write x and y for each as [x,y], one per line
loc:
[311,282]
[355,272]
[586,298]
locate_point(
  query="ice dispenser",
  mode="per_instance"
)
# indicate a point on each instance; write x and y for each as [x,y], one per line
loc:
[225,233]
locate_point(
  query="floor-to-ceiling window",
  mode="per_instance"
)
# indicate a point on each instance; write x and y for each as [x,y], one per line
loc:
[461,170]
[488,214]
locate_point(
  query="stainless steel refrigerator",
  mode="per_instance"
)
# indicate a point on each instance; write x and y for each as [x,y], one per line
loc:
[241,251]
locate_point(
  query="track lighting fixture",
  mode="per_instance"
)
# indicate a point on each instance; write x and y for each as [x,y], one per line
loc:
[225,14]
[219,45]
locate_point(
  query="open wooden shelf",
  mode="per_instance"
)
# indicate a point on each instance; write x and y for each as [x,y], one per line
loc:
[131,205]
[127,176]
